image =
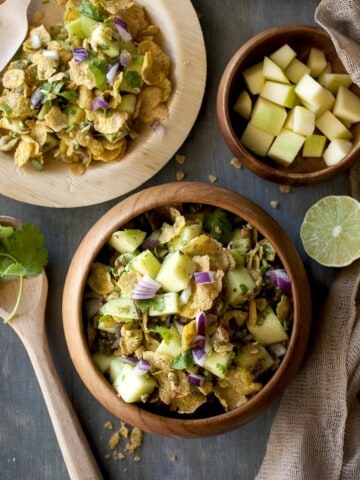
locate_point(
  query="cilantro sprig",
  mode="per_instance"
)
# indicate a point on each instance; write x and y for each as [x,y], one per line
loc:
[22,255]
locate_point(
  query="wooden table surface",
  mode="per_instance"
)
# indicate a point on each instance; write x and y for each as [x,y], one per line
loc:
[28,447]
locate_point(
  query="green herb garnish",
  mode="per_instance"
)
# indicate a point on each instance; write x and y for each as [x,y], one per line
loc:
[22,255]
[183,361]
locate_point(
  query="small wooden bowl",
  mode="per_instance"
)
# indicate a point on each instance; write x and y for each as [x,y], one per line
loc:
[301,38]
[75,333]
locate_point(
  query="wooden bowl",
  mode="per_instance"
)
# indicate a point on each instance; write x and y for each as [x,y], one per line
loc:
[301,38]
[75,333]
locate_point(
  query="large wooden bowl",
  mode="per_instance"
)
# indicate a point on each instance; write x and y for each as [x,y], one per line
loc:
[86,253]
[301,38]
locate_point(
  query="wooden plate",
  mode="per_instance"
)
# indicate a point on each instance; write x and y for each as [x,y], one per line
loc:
[55,186]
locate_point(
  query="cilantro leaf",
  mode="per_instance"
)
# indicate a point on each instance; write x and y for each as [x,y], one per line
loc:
[22,255]
[183,361]
[164,332]
[88,9]
[26,247]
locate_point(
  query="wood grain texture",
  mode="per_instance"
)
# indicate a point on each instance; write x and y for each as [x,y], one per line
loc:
[55,186]
[28,445]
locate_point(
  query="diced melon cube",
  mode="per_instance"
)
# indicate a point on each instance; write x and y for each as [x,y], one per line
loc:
[273,72]
[132,387]
[187,233]
[254,78]
[218,363]
[243,105]
[332,81]
[102,361]
[314,146]
[327,69]
[268,328]
[315,97]
[170,346]
[289,124]
[279,93]
[347,105]
[296,70]
[127,240]
[330,126]
[146,263]
[256,140]
[238,284]
[164,304]
[336,151]
[316,62]
[304,121]
[115,368]
[285,147]
[283,56]
[122,308]
[175,272]
[268,116]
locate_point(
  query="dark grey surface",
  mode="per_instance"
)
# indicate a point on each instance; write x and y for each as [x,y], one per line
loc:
[28,447]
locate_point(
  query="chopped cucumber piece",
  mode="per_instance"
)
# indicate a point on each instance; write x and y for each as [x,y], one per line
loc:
[81,27]
[187,233]
[115,368]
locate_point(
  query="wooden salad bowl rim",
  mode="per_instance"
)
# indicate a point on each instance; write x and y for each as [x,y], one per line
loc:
[87,251]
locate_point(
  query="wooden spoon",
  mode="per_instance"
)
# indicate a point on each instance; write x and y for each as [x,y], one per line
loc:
[29,324]
[13,28]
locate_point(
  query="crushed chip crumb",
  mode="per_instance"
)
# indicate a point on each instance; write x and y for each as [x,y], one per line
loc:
[107,456]
[173,458]
[114,440]
[124,431]
[180,176]
[136,437]
[274,204]
[137,458]
[108,425]
[235,162]
[125,470]
[285,188]
[180,159]
[119,456]
[213,178]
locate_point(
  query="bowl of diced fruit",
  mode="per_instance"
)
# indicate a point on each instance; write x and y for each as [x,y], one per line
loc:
[186,310]
[288,109]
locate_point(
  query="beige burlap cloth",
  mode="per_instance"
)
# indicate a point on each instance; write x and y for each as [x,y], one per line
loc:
[316,431]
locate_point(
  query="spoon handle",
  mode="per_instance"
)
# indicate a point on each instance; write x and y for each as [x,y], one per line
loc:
[78,457]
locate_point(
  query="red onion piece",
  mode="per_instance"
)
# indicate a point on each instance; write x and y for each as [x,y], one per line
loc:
[111,73]
[152,240]
[130,359]
[142,367]
[146,288]
[99,102]
[123,30]
[158,128]
[196,380]
[37,97]
[203,277]
[279,278]
[80,54]
[199,355]
[201,323]
[125,58]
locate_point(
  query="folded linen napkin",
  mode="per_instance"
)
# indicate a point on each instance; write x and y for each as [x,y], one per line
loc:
[316,431]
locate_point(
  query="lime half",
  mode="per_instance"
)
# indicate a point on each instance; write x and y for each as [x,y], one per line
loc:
[330,231]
